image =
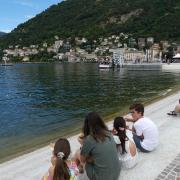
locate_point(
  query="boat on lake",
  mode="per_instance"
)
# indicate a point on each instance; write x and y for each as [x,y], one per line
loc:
[6,63]
[105,65]
[174,65]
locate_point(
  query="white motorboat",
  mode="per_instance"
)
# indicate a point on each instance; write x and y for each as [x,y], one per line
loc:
[175,65]
[171,66]
[6,63]
[105,66]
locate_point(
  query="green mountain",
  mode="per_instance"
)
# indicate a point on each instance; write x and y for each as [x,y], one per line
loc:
[95,18]
[2,34]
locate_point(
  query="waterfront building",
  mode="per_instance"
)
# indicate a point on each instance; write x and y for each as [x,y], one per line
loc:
[133,55]
[132,42]
[72,57]
[141,43]
[67,46]
[25,59]
[178,48]
[89,57]
[150,41]
[50,49]
[164,45]
[118,56]
[156,53]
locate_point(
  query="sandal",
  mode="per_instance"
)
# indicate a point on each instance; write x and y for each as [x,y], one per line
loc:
[172,113]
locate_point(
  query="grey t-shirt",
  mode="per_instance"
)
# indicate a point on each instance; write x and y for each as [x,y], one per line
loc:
[105,165]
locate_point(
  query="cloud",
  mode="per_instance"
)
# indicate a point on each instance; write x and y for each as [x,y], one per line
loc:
[29,16]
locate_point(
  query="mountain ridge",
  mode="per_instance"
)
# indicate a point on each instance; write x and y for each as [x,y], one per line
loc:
[2,33]
[95,18]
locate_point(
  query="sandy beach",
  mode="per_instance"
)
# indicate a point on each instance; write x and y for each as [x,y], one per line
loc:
[33,165]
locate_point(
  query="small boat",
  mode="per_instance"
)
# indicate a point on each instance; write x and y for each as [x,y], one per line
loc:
[105,66]
[175,65]
[6,64]
[171,66]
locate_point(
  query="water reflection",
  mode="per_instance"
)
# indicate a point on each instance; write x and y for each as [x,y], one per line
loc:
[42,101]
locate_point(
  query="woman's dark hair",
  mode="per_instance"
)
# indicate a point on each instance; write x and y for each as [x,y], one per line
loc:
[119,122]
[61,152]
[138,107]
[95,126]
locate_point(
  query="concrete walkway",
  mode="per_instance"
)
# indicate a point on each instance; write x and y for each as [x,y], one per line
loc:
[152,164]
[155,165]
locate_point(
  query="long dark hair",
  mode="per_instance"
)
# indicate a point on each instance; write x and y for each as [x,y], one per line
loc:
[61,152]
[119,122]
[95,126]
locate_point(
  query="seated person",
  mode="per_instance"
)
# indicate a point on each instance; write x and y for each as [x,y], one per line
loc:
[62,167]
[99,152]
[176,110]
[145,131]
[126,148]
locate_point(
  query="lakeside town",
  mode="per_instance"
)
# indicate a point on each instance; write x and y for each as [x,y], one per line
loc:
[105,49]
[90,90]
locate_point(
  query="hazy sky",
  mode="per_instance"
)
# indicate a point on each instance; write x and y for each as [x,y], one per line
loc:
[15,12]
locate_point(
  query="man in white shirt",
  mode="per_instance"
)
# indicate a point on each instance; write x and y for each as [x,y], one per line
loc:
[145,132]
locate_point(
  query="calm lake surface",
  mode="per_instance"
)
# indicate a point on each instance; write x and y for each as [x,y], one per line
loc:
[41,102]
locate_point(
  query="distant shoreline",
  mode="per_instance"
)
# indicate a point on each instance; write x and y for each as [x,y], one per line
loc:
[48,62]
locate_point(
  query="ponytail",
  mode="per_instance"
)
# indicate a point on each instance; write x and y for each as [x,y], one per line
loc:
[122,137]
[119,122]
[61,152]
[61,171]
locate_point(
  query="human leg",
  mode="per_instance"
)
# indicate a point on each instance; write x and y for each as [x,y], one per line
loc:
[76,158]
[137,141]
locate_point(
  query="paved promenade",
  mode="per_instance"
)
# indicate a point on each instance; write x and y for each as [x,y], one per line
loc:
[163,163]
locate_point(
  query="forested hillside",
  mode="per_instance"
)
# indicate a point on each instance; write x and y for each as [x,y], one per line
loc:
[95,18]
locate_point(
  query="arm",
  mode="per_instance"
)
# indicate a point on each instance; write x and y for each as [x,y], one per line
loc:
[128,118]
[86,151]
[139,131]
[82,158]
[134,132]
[51,171]
[133,129]
[141,137]
[85,159]
[81,139]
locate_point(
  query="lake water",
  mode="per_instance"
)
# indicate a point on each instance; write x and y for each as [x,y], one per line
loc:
[41,102]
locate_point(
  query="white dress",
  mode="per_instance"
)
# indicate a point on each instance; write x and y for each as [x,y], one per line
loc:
[128,161]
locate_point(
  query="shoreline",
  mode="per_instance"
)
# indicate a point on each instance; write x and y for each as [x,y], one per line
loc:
[107,119]
[154,99]
[33,165]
